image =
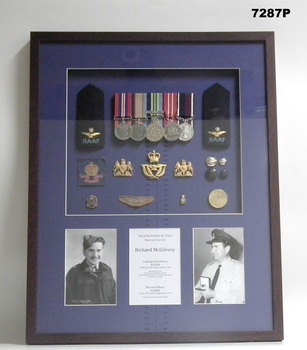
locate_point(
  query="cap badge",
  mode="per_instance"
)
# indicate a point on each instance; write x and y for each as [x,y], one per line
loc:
[154,170]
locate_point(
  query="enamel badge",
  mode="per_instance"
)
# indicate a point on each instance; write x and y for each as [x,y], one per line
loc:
[91,172]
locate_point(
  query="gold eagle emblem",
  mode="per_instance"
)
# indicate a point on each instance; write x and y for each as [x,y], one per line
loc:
[217,132]
[91,134]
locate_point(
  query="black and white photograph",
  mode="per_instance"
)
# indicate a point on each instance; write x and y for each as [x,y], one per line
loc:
[218,266]
[90,274]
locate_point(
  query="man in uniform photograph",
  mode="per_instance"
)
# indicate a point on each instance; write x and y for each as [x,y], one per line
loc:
[222,280]
[91,281]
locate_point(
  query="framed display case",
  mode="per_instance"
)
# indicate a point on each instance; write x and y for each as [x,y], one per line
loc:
[153,189]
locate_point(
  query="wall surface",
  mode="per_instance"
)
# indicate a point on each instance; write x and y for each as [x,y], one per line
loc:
[19,17]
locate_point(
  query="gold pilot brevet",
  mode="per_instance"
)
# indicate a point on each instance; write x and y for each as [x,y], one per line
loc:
[91,134]
[217,132]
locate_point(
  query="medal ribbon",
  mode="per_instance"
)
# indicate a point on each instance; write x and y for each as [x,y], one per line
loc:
[122,107]
[139,105]
[155,104]
[170,107]
[186,106]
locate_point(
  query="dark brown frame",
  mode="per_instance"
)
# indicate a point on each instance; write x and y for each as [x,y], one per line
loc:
[37,38]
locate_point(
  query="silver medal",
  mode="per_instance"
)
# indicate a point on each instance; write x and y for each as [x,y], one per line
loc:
[187,132]
[155,131]
[172,131]
[138,132]
[123,131]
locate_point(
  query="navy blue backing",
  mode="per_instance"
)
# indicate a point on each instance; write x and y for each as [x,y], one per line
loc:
[231,65]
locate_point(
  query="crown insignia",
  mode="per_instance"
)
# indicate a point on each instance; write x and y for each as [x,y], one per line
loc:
[154,170]
[91,169]
[154,157]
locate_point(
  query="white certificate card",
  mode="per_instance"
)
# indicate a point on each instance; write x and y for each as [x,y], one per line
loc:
[154,265]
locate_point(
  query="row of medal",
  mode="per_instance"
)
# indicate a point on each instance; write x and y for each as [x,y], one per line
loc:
[154,116]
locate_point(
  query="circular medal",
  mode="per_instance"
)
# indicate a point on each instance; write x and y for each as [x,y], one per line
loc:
[138,132]
[187,132]
[154,132]
[123,131]
[172,131]
[218,198]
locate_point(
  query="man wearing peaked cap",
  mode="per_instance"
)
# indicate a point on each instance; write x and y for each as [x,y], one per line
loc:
[222,280]
[219,235]
[91,281]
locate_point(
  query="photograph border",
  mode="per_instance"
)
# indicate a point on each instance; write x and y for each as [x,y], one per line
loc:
[202,251]
[74,255]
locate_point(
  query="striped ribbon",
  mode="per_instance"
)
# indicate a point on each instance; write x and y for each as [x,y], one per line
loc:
[170,107]
[122,107]
[186,105]
[139,105]
[155,103]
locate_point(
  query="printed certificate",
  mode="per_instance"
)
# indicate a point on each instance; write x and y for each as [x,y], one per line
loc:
[154,277]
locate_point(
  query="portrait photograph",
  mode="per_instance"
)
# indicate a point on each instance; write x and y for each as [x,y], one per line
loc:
[219,266]
[90,267]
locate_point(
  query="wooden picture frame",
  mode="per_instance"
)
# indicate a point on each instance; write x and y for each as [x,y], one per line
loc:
[158,225]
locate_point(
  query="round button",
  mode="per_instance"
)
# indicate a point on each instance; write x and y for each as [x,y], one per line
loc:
[223,175]
[211,174]
[223,161]
[211,161]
